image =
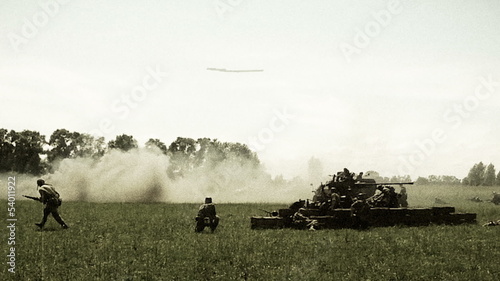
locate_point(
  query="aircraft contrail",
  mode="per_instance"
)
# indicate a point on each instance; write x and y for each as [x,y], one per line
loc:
[232,70]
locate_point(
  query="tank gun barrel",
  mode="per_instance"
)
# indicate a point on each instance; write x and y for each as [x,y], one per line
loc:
[383,183]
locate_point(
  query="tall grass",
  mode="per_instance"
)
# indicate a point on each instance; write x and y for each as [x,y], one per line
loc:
[132,241]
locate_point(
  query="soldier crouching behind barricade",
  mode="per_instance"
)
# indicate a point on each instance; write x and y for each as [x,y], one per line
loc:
[385,196]
[300,221]
[207,216]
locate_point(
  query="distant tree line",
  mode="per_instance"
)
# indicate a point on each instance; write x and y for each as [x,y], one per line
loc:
[483,175]
[30,152]
[438,180]
[479,175]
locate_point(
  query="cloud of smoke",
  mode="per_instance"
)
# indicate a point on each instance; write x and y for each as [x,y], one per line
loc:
[137,175]
[234,182]
[140,175]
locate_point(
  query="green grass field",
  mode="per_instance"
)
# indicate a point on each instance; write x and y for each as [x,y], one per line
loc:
[132,241]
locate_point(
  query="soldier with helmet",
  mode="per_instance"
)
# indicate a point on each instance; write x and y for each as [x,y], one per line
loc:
[496,198]
[207,216]
[50,198]
[300,221]
[335,199]
[360,212]
[403,197]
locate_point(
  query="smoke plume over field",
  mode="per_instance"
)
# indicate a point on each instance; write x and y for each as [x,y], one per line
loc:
[136,175]
[140,175]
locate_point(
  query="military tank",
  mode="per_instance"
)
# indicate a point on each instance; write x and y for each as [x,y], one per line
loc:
[346,202]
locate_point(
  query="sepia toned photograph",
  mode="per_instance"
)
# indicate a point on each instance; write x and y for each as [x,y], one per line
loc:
[250,140]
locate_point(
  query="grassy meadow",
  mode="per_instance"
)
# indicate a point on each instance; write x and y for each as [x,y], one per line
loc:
[156,241]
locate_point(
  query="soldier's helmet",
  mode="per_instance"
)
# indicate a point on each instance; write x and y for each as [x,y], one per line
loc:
[208,200]
[40,182]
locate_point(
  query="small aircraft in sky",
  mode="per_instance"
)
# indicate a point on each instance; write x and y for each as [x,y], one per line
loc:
[235,70]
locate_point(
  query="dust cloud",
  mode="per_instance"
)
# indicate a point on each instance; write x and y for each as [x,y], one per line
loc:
[134,176]
[140,175]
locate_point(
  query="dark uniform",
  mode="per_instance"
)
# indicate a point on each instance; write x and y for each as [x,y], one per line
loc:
[50,198]
[335,201]
[359,177]
[403,197]
[346,176]
[207,216]
[385,196]
[360,212]
[496,198]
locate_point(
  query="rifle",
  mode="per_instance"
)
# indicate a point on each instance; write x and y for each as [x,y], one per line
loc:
[33,198]
[383,183]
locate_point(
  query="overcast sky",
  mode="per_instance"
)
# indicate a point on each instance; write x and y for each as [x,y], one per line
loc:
[400,87]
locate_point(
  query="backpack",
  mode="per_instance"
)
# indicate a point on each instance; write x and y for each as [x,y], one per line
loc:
[53,197]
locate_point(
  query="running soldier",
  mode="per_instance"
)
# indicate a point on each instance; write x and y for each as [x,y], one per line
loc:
[207,216]
[50,198]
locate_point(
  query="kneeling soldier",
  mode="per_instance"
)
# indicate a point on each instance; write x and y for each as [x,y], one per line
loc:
[207,216]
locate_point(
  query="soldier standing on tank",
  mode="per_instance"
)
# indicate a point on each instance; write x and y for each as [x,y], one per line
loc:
[345,175]
[359,177]
[339,177]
